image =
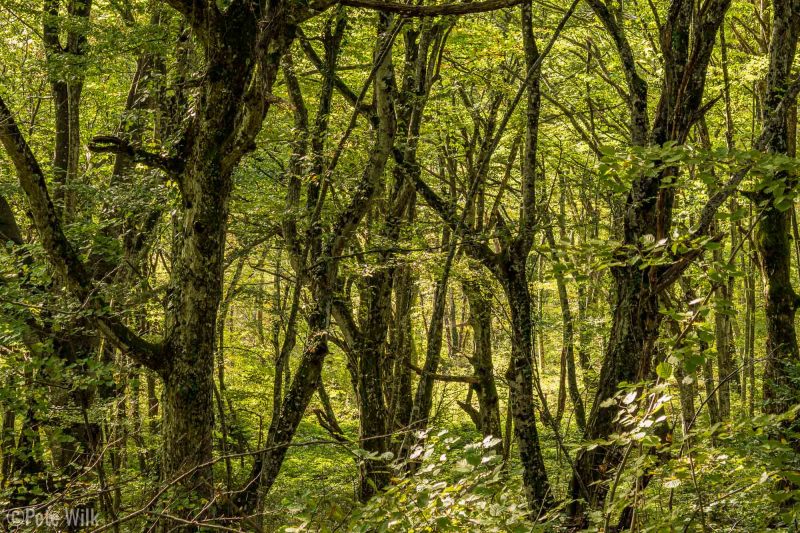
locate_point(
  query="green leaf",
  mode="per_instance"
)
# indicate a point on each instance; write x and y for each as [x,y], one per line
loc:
[664,370]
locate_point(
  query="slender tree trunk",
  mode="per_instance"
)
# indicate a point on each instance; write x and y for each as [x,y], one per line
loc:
[423,399]
[66,90]
[8,442]
[750,298]
[584,332]
[568,374]
[710,384]
[722,332]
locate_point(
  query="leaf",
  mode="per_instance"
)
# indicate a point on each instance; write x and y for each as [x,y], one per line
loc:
[490,442]
[629,398]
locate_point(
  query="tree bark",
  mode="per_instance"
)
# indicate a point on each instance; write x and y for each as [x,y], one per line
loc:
[648,212]
[773,240]
[520,383]
[480,308]
[568,337]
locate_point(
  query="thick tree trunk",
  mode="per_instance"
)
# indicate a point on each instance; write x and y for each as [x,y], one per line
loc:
[627,358]
[222,132]
[373,414]
[480,308]
[687,44]
[782,366]
[403,348]
[781,369]
[197,292]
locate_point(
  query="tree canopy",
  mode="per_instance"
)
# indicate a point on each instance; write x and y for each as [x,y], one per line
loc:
[366,265]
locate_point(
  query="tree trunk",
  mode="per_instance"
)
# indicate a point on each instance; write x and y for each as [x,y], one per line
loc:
[373,415]
[404,349]
[627,358]
[773,232]
[781,302]
[722,330]
[567,339]
[480,308]
[750,330]
[323,276]
[687,46]
[520,382]
[423,399]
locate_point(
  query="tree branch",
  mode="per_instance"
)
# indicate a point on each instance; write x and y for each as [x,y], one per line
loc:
[637,87]
[771,127]
[340,85]
[110,144]
[9,230]
[344,319]
[62,255]
[477,249]
[409,10]
[195,11]
[444,377]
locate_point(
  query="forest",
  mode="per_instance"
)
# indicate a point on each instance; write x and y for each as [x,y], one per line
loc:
[399,265]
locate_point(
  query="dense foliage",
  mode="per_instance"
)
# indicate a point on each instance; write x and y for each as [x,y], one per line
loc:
[363,265]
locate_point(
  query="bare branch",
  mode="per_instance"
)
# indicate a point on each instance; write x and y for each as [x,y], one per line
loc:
[109,144]
[340,85]
[410,10]
[479,250]
[444,377]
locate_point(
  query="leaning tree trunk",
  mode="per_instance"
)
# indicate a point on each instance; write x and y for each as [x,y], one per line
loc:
[520,384]
[423,398]
[323,276]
